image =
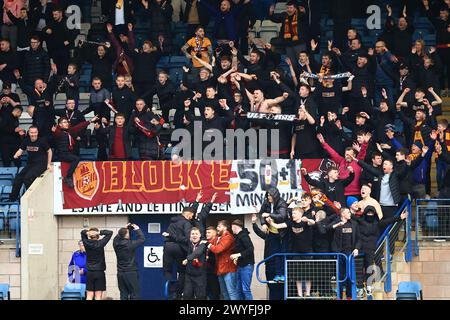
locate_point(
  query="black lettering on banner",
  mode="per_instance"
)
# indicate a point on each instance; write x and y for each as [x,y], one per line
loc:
[292,166]
[268,178]
[246,171]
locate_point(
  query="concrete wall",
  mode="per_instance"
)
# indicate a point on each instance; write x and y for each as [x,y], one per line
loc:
[259,290]
[39,227]
[10,269]
[431,268]
[69,228]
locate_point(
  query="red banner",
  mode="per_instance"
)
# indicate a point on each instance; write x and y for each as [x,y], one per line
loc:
[159,182]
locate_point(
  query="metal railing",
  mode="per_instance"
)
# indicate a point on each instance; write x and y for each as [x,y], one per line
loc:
[331,258]
[432,220]
[166,288]
[386,245]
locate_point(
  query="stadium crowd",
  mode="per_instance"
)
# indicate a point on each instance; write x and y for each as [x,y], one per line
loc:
[371,110]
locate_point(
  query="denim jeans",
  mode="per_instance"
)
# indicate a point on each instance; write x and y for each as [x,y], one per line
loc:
[244,282]
[228,286]
[277,244]
[441,167]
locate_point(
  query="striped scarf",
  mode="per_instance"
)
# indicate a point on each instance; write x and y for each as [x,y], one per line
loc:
[417,133]
[287,29]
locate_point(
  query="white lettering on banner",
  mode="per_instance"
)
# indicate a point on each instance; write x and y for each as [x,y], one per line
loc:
[249,182]
[153,257]
[255,177]
[374,21]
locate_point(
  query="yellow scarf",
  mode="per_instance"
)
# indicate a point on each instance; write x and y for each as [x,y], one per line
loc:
[119,4]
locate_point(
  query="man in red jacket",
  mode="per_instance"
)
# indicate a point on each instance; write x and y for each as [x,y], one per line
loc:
[223,247]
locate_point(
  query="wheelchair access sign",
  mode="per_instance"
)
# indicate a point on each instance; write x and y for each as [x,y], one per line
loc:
[153,257]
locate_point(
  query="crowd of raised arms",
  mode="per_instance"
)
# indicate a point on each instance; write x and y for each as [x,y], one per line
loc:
[374,110]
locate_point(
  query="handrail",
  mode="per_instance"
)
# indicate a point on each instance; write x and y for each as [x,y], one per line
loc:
[166,288]
[351,270]
[292,255]
[388,228]
[416,237]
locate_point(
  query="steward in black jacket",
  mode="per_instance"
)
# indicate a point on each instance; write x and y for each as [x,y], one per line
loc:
[277,208]
[95,249]
[127,275]
[125,249]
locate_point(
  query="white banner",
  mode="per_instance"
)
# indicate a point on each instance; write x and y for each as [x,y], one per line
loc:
[153,257]
[254,177]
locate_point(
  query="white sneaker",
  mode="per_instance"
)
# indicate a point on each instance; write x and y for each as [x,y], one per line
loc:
[360,293]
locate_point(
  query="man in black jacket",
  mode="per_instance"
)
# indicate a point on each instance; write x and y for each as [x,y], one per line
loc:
[387,189]
[346,240]
[294,28]
[101,58]
[39,160]
[118,138]
[366,175]
[275,207]
[244,258]
[11,135]
[370,230]
[176,246]
[36,63]
[95,261]
[195,280]
[127,272]
[123,98]
[41,107]
[58,40]
[332,186]
[8,62]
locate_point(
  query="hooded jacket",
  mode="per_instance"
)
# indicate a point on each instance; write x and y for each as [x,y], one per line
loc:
[125,251]
[278,212]
[370,228]
[244,246]
[95,250]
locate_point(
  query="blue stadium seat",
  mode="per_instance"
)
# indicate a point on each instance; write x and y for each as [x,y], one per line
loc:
[8,171]
[2,220]
[409,291]
[88,154]
[12,217]
[4,291]
[76,287]
[6,191]
[7,175]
